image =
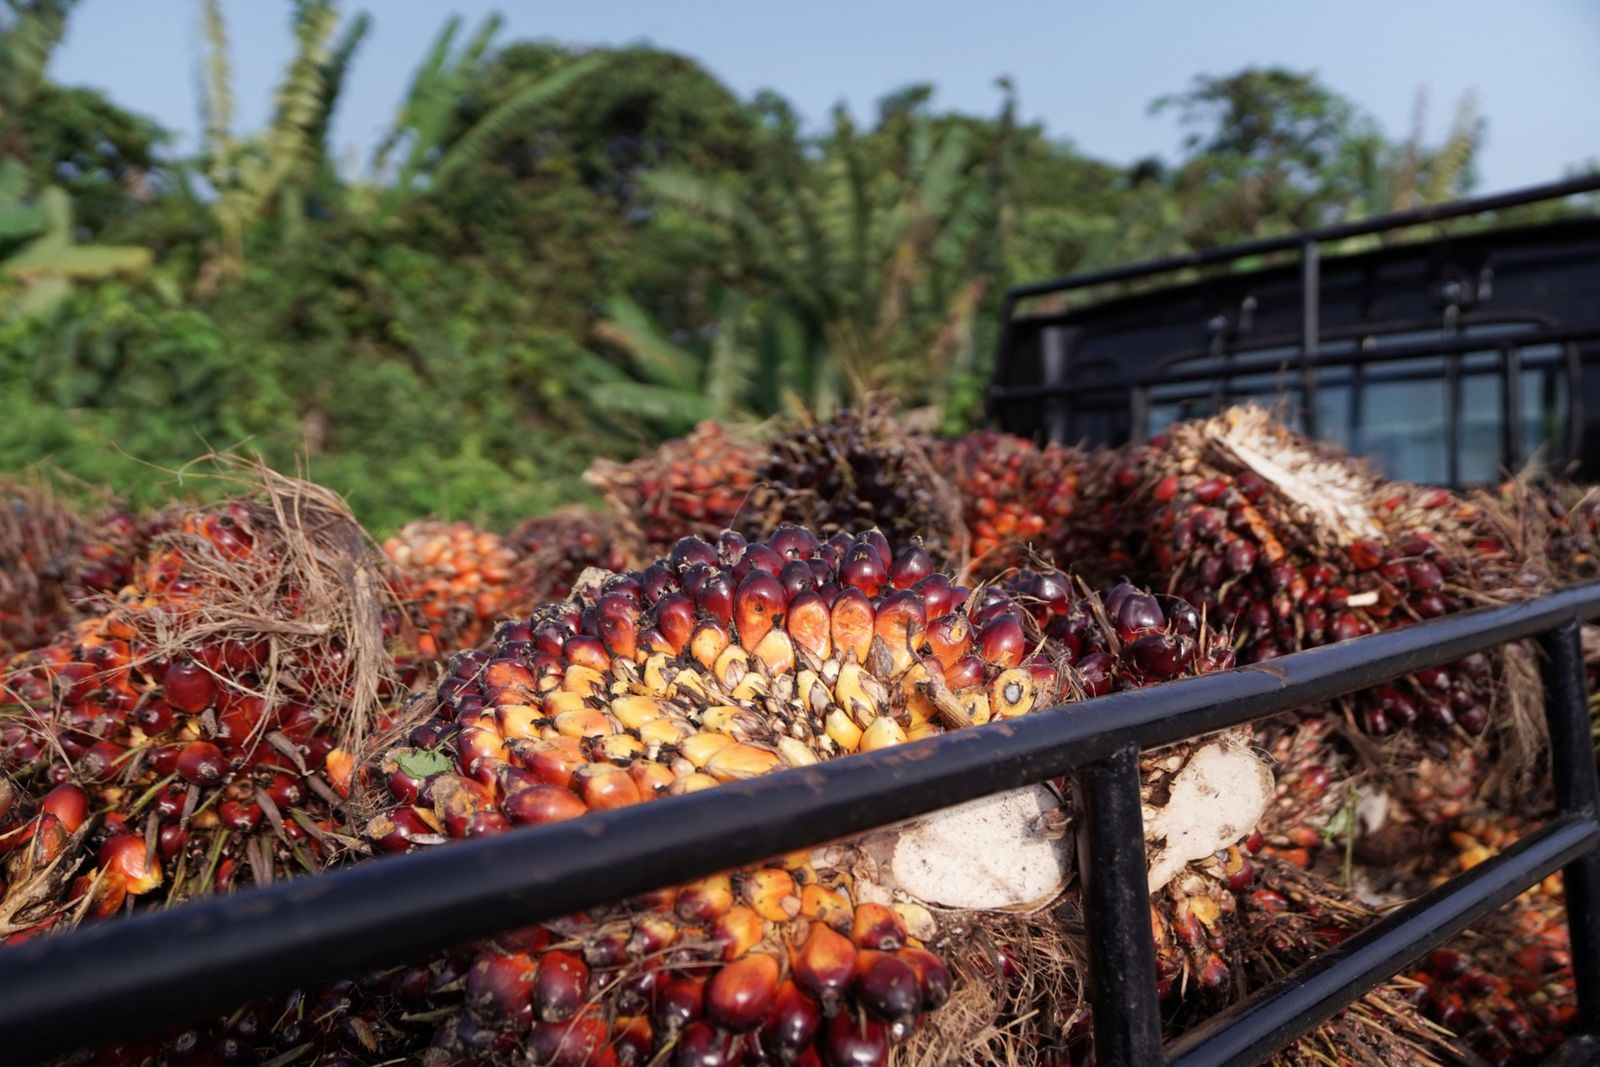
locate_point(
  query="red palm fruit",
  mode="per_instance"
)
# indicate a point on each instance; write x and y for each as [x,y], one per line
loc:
[887,987]
[758,601]
[702,1045]
[620,632]
[560,986]
[242,815]
[852,1042]
[791,1025]
[796,578]
[123,857]
[68,803]
[739,996]
[538,804]
[576,1042]
[154,716]
[586,651]
[933,977]
[402,830]
[880,543]
[878,926]
[480,748]
[902,619]
[1367,555]
[188,686]
[604,786]
[202,763]
[499,989]
[633,1040]
[949,638]
[171,839]
[1095,673]
[851,624]
[825,965]
[1001,641]
[1162,655]
[715,598]
[486,824]
[552,761]
[938,594]
[103,761]
[863,568]
[809,624]
[687,551]
[965,672]
[793,542]
[1139,613]
[710,637]
[679,1001]
[738,930]
[706,900]
[911,566]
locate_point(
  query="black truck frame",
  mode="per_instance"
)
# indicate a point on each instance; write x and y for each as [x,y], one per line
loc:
[119,979]
[1497,330]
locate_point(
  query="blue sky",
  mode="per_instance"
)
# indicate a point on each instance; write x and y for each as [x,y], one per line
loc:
[1086,70]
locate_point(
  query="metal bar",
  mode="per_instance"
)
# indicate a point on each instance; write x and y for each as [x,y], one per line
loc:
[1310,332]
[1295,1004]
[164,967]
[1395,220]
[1577,790]
[1388,354]
[1116,911]
[1452,419]
[1511,357]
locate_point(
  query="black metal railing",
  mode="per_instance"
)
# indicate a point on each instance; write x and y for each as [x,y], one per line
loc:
[128,977]
[1061,388]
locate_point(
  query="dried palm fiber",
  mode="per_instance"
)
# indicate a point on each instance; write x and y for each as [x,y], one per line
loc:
[731,660]
[862,468]
[197,733]
[693,486]
[1011,492]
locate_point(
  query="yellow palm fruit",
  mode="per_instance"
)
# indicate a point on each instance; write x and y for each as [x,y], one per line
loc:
[881,733]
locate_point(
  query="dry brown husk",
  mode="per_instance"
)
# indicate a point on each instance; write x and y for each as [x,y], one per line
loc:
[306,540]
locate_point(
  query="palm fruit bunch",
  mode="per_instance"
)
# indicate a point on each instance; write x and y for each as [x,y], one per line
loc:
[1011,490]
[1506,985]
[862,468]
[1562,517]
[1289,916]
[1293,546]
[692,486]
[53,559]
[553,551]
[457,578]
[196,734]
[725,661]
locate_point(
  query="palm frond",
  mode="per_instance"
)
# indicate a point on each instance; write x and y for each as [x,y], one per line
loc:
[488,132]
[630,329]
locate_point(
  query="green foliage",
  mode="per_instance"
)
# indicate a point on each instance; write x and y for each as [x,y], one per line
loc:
[559,253]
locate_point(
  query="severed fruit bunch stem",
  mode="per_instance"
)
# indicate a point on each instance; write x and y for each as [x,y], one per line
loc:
[195,736]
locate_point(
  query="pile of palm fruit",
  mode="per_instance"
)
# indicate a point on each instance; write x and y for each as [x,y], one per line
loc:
[236,694]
